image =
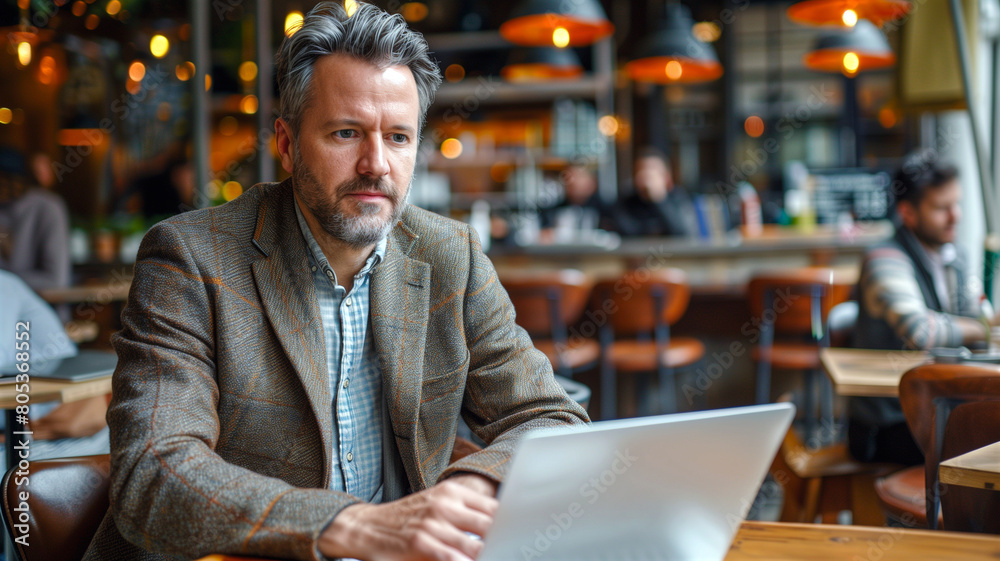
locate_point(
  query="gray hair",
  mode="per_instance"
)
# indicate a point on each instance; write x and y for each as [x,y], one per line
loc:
[369,34]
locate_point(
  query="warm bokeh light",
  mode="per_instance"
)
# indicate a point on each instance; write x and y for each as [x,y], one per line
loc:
[114,6]
[184,71]
[850,18]
[136,71]
[608,125]
[24,53]
[213,189]
[560,37]
[159,46]
[851,63]
[414,11]
[6,116]
[674,70]
[248,71]
[231,190]
[887,117]
[79,8]
[208,82]
[133,87]
[293,21]
[228,125]
[451,148]
[350,6]
[249,104]
[706,31]
[454,73]
[92,22]
[754,126]
[47,69]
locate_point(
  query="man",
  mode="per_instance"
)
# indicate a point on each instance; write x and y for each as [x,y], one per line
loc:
[913,294]
[293,364]
[657,207]
[34,227]
[580,209]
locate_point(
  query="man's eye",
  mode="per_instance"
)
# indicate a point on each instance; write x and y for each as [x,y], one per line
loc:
[346,133]
[400,138]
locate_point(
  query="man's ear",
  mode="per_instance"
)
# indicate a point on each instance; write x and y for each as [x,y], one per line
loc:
[907,214]
[285,142]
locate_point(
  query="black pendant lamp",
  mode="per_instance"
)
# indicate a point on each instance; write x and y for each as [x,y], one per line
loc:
[673,55]
[559,23]
[537,64]
[847,12]
[861,48]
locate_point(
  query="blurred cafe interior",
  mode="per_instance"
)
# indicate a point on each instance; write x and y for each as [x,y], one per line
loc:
[691,205]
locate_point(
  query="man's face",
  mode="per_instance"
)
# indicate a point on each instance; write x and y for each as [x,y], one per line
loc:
[652,179]
[352,160]
[579,184]
[934,218]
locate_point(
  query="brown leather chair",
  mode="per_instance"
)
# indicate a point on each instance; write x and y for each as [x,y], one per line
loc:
[641,306]
[970,427]
[547,303]
[928,394]
[67,501]
[792,308]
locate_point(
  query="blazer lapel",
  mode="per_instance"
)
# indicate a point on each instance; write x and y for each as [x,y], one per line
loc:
[400,295]
[289,301]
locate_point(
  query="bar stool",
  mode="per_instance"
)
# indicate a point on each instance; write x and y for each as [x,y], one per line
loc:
[642,305]
[793,304]
[547,303]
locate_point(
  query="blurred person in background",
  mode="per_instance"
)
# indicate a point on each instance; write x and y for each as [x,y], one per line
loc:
[34,224]
[657,207]
[580,208]
[59,430]
[913,293]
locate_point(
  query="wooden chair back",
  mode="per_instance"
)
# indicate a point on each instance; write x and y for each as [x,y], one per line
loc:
[67,500]
[788,297]
[548,301]
[928,394]
[971,426]
[629,304]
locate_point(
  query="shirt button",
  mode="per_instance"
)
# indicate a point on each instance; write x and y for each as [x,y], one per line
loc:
[350,457]
[347,302]
[347,382]
[329,273]
[314,268]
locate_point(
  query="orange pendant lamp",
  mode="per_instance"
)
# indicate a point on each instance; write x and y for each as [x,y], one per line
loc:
[847,13]
[862,48]
[539,64]
[558,23]
[673,55]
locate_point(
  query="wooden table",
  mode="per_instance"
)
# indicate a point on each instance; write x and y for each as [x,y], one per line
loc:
[46,391]
[868,372]
[979,468]
[764,541]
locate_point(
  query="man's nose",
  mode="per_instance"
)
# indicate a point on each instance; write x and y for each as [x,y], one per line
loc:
[373,160]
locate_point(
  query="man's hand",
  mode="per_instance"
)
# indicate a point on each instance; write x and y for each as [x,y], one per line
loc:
[431,524]
[72,420]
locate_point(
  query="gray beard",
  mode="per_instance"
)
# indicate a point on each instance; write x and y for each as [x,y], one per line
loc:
[357,232]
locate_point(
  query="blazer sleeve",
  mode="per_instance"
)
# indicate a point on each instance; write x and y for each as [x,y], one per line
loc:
[170,492]
[510,387]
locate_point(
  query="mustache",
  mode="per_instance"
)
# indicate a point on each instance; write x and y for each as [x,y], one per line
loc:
[364,184]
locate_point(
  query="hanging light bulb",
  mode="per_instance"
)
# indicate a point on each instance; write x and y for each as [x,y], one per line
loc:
[843,12]
[560,37]
[850,18]
[851,64]
[534,23]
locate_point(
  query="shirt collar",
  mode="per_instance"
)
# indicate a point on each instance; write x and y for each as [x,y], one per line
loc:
[319,258]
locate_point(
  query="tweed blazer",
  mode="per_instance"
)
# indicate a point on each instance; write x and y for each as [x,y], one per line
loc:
[221,420]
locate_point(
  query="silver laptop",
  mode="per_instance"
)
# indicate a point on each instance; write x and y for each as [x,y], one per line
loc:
[666,488]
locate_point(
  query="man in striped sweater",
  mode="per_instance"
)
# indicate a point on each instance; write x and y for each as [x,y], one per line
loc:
[914,293]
